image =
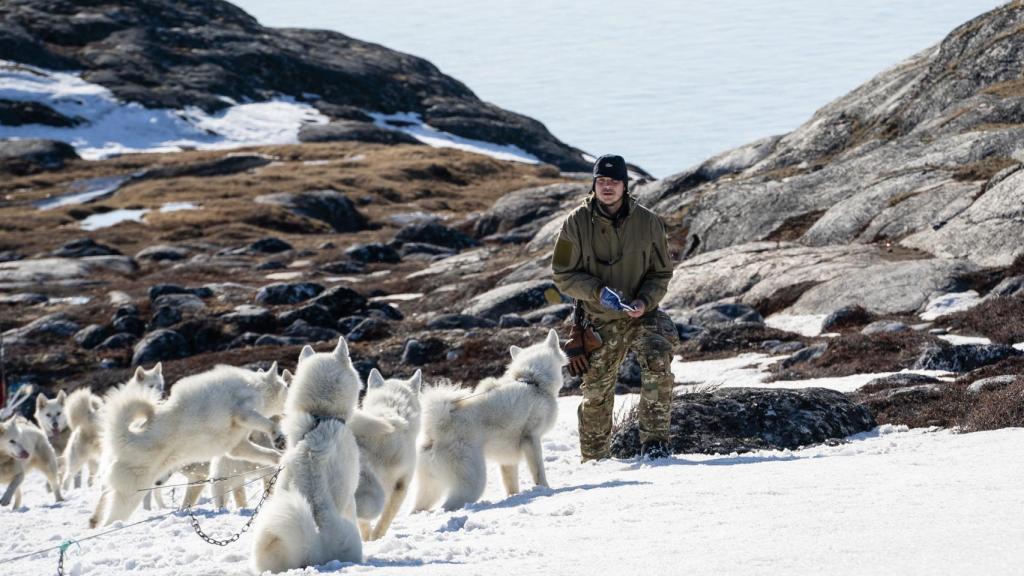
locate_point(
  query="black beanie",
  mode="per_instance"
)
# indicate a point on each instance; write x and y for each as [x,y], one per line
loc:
[610,166]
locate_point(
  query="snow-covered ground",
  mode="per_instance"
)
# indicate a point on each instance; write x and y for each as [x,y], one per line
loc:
[893,501]
[113,127]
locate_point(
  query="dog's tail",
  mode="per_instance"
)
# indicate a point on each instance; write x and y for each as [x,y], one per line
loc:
[286,536]
[82,406]
[438,404]
[122,409]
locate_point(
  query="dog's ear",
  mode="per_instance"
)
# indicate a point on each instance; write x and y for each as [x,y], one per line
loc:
[62,396]
[514,351]
[140,374]
[287,376]
[375,379]
[158,369]
[272,373]
[307,351]
[552,340]
[341,350]
[416,382]
[40,401]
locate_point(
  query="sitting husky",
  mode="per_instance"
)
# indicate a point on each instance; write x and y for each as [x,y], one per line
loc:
[503,419]
[310,518]
[389,459]
[24,447]
[83,447]
[51,416]
[206,415]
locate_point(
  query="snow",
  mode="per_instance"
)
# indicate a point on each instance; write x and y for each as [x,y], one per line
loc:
[107,219]
[752,370]
[411,124]
[957,340]
[178,206]
[949,303]
[802,324]
[1019,346]
[892,501]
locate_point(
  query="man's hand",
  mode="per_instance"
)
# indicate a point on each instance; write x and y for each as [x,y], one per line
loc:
[640,308]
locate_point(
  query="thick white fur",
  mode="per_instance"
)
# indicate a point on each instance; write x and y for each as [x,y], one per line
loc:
[310,518]
[24,447]
[83,447]
[502,419]
[389,457]
[206,415]
[51,417]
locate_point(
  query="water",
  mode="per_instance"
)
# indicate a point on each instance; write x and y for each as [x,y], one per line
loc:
[664,83]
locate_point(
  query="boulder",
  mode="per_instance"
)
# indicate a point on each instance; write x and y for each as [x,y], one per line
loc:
[549,315]
[513,298]
[223,166]
[422,249]
[521,213]
[341,301]
[512,321]
[50,327]
[459,321]
[1008,287]
[285,293]
[162,253]
[962,358]
[84,247]
[884,326]
[91,336]
[23,299]
[302,329]
[346,324]
[745,419]
[246,318]
[714,314]
[129,324]
[353,131]
[313,314]
[158,346]
[419,352]
[992,383]
[186,302]
[21,112]
[274,340]
[375,252]
[384,310]
[846,317]
[328,206]
[437,234]
[165,316]
[268,246]
[805,354]
[20,157]
[343,267]
[118,341]
[369,329]
[63,270]
[898,380]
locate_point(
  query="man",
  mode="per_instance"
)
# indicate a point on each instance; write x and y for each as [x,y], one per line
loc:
[611,242]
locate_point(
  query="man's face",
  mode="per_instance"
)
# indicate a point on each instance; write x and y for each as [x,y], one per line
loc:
[609,190]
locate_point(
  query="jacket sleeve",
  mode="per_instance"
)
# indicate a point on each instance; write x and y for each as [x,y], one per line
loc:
[659,270]
[567,266]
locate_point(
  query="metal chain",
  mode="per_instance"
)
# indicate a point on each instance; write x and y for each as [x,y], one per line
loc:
[245,527]
[60,564]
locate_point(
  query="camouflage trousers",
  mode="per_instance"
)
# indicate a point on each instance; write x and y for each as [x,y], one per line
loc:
[650,337]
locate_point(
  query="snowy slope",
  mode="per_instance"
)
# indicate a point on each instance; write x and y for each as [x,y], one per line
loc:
[894,501]
[113,127]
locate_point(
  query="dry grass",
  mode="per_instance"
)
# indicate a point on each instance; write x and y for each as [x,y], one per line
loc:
[855,353]
[983,169]
[999,319]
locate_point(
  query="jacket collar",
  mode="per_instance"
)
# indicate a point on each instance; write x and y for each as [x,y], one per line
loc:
[628,206]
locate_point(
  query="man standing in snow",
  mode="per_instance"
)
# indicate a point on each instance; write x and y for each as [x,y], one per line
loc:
[612,257]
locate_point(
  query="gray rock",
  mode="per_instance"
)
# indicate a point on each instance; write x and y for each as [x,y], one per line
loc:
[343,267]
[63,270]
[775,347]
[420,352]
[536,268]
[1009,287]
[369,329]
[899,380]
[267,246]
[244,340]
[992,383]
[84,247]
[129,325]
[302,329]
[288,293]
[20,157]
[165,317]
[158,346]
[187,302]
[714,314]
[513,298]
[554,314]
[224,166]
[353,131]
[246,318]
[328,206]
[805,355]
[375,252]
[431,251]
[437,234]
[158,290]
[23,299]
[57,325]
[91,336]
[845,317]
[745,419]
[884,326]
[512,321]
[384,310]
[341,301]
[963,358]
[313,314]
[346,324]
[162,253]
[118,341]
[21,112]
[522,213]
[459,321]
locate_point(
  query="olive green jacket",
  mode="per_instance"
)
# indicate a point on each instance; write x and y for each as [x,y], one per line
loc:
[629,254]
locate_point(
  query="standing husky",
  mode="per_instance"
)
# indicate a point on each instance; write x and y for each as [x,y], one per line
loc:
[206,415]
[51,416]
[84,444]
[503,419]
[310,518]
[391,458]
[24,447]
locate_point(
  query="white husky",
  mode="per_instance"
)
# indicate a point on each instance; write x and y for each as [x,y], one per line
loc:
[503,419]
[24,447]
[206,415]
[390,459]
[83,447]
[51,416]
[310,518]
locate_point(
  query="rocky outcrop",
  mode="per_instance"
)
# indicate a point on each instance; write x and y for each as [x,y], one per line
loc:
[328,206]
[165,54]
[745,419]
[352,131]
[21,157]
[519,215]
